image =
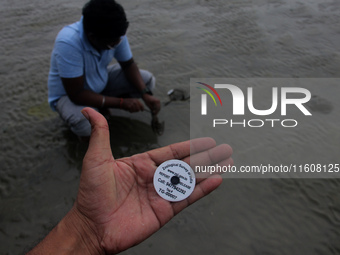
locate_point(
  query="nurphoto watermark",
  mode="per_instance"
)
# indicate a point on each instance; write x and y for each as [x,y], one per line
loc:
[277,127]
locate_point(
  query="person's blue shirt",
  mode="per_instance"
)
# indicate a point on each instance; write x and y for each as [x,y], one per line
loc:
[73,56]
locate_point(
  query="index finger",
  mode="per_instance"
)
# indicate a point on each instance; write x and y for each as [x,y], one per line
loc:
[140,105]
[181,150]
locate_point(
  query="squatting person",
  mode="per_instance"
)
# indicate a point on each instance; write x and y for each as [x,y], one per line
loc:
[80,74]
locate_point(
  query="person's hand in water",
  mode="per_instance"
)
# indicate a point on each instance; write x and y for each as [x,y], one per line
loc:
[117,205]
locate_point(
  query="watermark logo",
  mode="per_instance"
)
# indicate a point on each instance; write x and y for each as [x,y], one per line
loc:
[204,97]
[280,99]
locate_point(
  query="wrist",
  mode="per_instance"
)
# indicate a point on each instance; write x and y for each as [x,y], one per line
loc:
[146,91]
[82,233]
[72,235]
[121,101]
[146,96]
[76,235]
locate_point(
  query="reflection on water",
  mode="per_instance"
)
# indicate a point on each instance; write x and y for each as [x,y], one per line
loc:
[176,40]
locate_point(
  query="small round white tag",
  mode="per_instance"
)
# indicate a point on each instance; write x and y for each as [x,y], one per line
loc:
[174,180]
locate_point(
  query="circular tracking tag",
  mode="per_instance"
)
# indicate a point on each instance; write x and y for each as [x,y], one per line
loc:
[174,180]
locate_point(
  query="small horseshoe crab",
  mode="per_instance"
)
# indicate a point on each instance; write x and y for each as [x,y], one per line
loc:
[177,95]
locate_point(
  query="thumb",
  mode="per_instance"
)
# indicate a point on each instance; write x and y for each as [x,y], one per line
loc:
[99,149]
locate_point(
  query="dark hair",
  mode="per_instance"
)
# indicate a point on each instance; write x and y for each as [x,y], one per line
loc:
[105,19]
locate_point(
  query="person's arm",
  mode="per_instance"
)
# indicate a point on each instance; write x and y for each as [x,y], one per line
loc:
[70,236]
[117,205]
[132,73]
[75,90]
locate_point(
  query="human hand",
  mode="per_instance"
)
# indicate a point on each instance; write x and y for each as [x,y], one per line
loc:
[153,103]
[117,205]
[132,105]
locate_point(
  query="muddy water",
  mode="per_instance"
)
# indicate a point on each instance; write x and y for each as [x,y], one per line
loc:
[177,40]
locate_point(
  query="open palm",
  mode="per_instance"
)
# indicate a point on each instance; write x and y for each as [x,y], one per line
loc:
[117,198]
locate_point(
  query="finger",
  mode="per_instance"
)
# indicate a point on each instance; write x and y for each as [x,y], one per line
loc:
[99,146]
[140,106]
[181,150]
[155,111]
[210,157]
[201,144]
[209,162]
[136,106]
[220,168]
[155,108]
[201,190]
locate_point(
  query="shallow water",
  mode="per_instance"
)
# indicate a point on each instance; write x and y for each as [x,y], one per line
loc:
[40,159]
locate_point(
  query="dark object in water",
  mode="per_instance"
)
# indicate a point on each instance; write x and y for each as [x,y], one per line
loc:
[157,127]
[174,95]
[319,104]
[177,95]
